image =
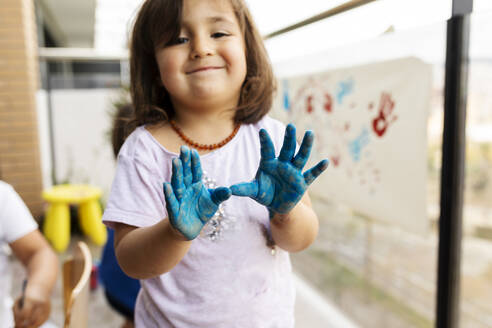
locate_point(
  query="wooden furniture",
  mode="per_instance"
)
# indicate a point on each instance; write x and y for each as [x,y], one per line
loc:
[76,277]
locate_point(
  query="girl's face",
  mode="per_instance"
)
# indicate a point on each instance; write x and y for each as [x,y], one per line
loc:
[206,67]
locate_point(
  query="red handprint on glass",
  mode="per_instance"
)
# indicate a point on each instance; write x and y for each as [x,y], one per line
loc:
[385,116]
[309,104]
[328,106]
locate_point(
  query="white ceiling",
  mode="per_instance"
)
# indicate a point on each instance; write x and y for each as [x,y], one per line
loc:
[105,24]
[113,20]
[70,22]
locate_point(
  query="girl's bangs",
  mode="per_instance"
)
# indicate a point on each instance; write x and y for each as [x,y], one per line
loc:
[165,23]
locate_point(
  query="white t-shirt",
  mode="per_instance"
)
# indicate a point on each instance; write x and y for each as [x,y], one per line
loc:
[15,222]
[229,277]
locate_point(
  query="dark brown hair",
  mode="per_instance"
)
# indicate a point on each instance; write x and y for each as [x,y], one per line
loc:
[122,126]
[159,22]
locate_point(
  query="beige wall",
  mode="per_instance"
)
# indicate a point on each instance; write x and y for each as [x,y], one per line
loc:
[19,74]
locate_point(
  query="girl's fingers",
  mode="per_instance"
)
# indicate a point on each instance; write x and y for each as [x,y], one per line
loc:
[185,157]
[311,174]
[177,179]
[22,315]
[267,148]
[220,194]
[303,155]
[245,189]
[171,201]
[17,315]
[39,315]
[196,167]
[289,145]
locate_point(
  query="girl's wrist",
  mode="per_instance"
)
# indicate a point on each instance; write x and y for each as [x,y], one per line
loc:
[37,292]
[175,234]
[283,218]
[279,218]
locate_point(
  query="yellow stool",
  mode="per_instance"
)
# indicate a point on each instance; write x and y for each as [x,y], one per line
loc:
[57,221]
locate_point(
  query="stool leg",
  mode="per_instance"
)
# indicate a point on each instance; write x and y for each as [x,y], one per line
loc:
[57,226]
[90,215]
[48,223]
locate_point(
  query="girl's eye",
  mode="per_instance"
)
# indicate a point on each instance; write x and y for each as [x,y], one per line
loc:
[218,35]
[181,40]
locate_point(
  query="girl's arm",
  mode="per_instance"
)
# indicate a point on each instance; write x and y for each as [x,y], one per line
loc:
[42,269]
[297,229]
[281,186]
[149,252]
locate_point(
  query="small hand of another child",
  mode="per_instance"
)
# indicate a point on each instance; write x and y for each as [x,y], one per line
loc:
[189,204]
[279,183]
[32,309]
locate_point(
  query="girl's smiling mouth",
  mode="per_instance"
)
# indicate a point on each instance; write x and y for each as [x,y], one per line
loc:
[204,69]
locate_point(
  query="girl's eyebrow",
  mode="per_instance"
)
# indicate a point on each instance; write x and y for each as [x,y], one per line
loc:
[219,19]
[213,20]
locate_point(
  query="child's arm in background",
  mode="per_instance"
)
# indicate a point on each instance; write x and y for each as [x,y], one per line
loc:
[281,186]
[42,269]
[151,251]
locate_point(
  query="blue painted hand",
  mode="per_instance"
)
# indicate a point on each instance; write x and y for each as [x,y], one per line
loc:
[189,204]
[279,183]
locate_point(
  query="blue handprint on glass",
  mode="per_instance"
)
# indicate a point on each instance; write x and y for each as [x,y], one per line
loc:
[189,204]
[279,183]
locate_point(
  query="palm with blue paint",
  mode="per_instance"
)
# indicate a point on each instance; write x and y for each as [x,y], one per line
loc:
[279,183]
[189,204]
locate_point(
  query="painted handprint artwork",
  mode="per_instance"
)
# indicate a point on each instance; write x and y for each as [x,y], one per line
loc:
[370,121]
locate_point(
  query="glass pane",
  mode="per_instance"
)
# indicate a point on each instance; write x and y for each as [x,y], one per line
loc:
[374,272]
[476,259]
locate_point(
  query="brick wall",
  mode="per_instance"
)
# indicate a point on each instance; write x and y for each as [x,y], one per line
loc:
[19,74]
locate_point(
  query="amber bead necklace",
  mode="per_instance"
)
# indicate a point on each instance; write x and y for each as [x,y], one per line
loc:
[199,146]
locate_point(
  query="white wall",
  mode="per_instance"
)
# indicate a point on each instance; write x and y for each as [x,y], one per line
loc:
[81,124]
[44,138]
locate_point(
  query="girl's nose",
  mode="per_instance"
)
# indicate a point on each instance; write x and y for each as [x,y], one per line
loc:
[201,47]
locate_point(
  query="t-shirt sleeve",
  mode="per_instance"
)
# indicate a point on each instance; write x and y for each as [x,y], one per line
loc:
[15,219]
[136,196]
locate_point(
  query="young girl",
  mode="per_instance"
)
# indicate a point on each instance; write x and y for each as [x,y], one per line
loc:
[200,78]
